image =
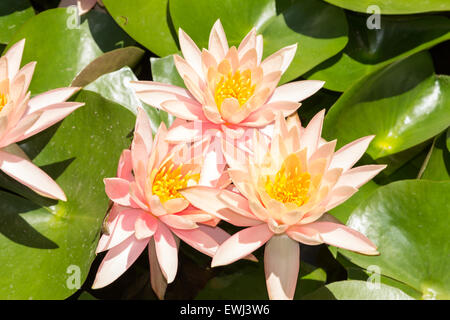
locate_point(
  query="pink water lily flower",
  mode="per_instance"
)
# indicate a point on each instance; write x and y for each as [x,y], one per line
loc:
[22,117]
[283,193]
[229,90]
[83,6]
[149,211]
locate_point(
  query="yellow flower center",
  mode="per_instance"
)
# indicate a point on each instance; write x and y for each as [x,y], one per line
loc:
[169,180]
[289,185]
[3,100]
[237,85]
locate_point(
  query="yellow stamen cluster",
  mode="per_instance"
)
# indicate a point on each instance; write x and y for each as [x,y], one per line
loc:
[291,187]
[237,85]
[169,180]
[3,100]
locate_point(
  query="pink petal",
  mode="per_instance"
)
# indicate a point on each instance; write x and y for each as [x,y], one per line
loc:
[156,206]
[166,251]
[358,176]
[46,99]
[220,235]
[349,154]
[249,42]
[286,55]
[213,165]
[208,200]
[241,244]
[198,240]
[344,237]
[122,227]
[48,118]
[188,131]
[338,196]
[153,86]
[14,57]
[266,114]
[218,44]
[125,166]
[281,266]
[304,234]
[145,225]
[27,71]
[30,175]
[118,260]
[118,190]
[311,135]
[191,52]
[157,280]
[296,91]
[178,222]
[187,109]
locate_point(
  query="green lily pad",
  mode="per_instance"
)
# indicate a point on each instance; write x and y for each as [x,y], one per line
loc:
[369,50]
[403,104]
[245,280]
[13,14]
[48,246]
[357,290]
[437,163]
[408,221]
[393,7]
[69,46]
[147,21]
[319,29]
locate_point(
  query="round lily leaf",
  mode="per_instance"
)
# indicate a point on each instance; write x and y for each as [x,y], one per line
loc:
[13,13]
[69,45]
[319,29]
[147,21]
[408,221]
[369,50]
[48,246]
[245,280]
[393,7]
[403,104]
[108,62]
[357,290]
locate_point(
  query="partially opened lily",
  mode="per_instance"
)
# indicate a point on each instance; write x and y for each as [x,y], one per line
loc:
[283,193]
[229,90]
[149,211]
[22,117]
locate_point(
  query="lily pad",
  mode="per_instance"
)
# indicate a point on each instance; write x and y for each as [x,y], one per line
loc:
[403,104]
[13,14]
[369,50]
[408,221]
[147,21]
[357,290]
[393,7]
